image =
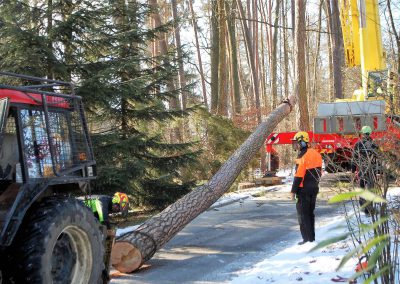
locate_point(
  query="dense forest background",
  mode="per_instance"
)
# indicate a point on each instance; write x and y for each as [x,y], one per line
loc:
[172,88]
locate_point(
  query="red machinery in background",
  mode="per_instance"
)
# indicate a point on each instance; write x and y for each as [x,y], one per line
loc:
[336,130]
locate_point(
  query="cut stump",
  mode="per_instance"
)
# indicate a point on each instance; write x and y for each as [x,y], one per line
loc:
[125,257]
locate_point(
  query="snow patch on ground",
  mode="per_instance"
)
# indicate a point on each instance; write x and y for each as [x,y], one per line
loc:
[297,263]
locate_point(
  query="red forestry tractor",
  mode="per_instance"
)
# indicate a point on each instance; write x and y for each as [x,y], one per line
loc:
[46,158]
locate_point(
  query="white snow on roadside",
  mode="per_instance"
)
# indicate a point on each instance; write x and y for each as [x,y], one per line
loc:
[296,263]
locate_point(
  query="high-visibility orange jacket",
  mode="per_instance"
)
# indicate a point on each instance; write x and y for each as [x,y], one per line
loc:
[308,172]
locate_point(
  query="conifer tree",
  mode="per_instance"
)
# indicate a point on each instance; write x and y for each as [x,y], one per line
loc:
[102,47]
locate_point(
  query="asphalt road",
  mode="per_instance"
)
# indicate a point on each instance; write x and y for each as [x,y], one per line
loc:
[225,240]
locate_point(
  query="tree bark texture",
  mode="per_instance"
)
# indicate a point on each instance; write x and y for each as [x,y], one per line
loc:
[300,69]
[214,56]
[132,249]
[327,8]
[254,72]
[182,78]
[222,66]
[230,11]
[338,49]
[316,58]
[285,51]
[274,63]
[175,135]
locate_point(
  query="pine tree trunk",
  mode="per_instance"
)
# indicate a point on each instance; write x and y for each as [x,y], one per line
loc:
[314,88]
[121,21]
[67,9]
[254,73]
[263,76]
[327,9]
[338,53]
[300,75]
[181,71]
[255,40]
[214,56]
[176,135]
[308,65]
[293,10]
[237,109]
[274,63]
[222,74]
[132,249]
[196,37]
[285,51]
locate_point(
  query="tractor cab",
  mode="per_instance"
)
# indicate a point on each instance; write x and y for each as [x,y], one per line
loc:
[46,160]
[45,147]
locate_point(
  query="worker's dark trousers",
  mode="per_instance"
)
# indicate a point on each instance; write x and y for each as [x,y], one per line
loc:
[305,213]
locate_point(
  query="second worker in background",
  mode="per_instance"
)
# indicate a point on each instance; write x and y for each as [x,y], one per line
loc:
[306,185]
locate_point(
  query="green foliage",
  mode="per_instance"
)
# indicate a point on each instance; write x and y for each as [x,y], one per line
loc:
[367,195]
[103,47]
[218,139]
[371,237]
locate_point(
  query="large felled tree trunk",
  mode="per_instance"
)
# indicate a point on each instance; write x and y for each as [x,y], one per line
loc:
[134,248]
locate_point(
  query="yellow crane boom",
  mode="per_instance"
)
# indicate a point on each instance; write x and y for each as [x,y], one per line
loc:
[363,43]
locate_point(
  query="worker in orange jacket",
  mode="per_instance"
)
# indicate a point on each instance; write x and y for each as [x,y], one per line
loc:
[306,184]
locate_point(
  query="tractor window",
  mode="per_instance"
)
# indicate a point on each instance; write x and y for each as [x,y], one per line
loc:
[36,143]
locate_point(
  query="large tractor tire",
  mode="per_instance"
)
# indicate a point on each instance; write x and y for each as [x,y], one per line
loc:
[60,242]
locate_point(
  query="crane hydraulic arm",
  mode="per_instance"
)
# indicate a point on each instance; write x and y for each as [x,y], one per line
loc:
[363,44]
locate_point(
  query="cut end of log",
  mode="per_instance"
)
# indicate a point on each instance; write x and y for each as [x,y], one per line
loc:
[125,257]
